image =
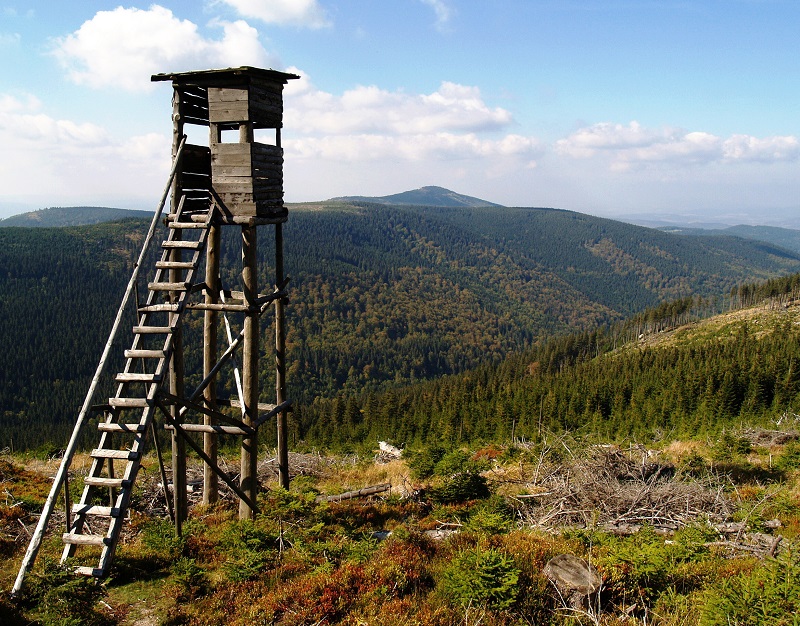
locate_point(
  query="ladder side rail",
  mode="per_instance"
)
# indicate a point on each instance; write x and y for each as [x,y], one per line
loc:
[237,377]
[66,461]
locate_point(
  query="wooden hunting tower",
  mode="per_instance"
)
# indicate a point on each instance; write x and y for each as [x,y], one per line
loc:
[234,181]
[244,177]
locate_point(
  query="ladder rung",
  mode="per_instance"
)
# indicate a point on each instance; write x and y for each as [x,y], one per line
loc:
[136,377]
[159,308]
[102,481]
[85,540]
[145,354]
[183,286]
[262,406]
[183,244]
[174,265]
[152,330]
[104,453]
[107,427]
[89,571]
[182,225]
[129,403]
[99,511]
[212,428]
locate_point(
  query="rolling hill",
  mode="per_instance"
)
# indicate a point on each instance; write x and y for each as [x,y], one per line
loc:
[424,196]
[784,237]
[699,379]
[380,295]
[72,216]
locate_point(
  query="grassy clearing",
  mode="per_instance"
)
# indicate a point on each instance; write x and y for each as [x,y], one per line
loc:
[463,538]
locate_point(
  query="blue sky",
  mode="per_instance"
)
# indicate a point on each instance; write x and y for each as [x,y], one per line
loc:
[608,107]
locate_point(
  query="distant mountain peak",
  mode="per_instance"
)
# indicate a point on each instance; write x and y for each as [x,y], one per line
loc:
[430,195]
[56,217]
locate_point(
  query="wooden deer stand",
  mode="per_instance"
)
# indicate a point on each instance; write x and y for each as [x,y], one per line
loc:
[235,183]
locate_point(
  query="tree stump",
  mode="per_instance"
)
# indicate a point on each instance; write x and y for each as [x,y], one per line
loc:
[575,579]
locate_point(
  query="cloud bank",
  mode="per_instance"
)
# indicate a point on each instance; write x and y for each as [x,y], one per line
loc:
[630,146]
[122,48]
[365,140]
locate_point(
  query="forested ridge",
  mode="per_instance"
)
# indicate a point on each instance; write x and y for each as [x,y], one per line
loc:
[380,297]
[738,368]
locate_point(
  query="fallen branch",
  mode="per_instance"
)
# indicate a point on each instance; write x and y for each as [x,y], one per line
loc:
[359,493]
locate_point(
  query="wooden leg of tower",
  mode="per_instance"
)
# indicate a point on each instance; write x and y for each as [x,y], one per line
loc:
[176,386]
[176,372]
[210,321]
[249,454]
[280,364]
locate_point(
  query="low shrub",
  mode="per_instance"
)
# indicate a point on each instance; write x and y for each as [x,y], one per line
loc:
[789,460]
[481,577]
[767,595]
[423,461]
[61,598]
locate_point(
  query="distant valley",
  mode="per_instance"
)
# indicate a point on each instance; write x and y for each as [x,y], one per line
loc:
[381,294]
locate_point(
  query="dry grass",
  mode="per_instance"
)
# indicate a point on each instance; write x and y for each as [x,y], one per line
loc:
[364,475]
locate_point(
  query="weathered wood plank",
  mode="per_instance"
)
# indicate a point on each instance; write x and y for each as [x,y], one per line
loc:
[169,265]
[213,429]
[227,94]
[152,330]
[85,540]
[160,308]
[262,406]
[129,403]
[83,570]
[145,354]
[111,427]
[137,377]
[102,481]
[182,244]
[99,511]
[358,493]
[182,286]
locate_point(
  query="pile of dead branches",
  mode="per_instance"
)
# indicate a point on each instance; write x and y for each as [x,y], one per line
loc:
[767,438]
[151,500]
[619,491]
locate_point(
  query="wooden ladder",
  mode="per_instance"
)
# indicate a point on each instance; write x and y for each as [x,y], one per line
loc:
[129,414]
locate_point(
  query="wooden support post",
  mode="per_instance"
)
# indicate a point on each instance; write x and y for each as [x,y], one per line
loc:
[280,363]
[176,387]
[210,323]
[249,453]
[162,470]
[176,371]
[67,503]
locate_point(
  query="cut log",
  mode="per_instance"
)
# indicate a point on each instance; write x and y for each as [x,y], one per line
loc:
[575,579]
[359,493]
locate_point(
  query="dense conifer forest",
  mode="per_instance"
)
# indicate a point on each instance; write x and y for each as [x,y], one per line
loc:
[665,384]
[380,297]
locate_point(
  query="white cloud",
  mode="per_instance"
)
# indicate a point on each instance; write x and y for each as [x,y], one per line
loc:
[306,13]
[371,124]
[374,141]
[19,119]
[411,148]
[124,47]
[443,12]
[372,110]
[68,161]
[7,40]
[769,149]
[632,145]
